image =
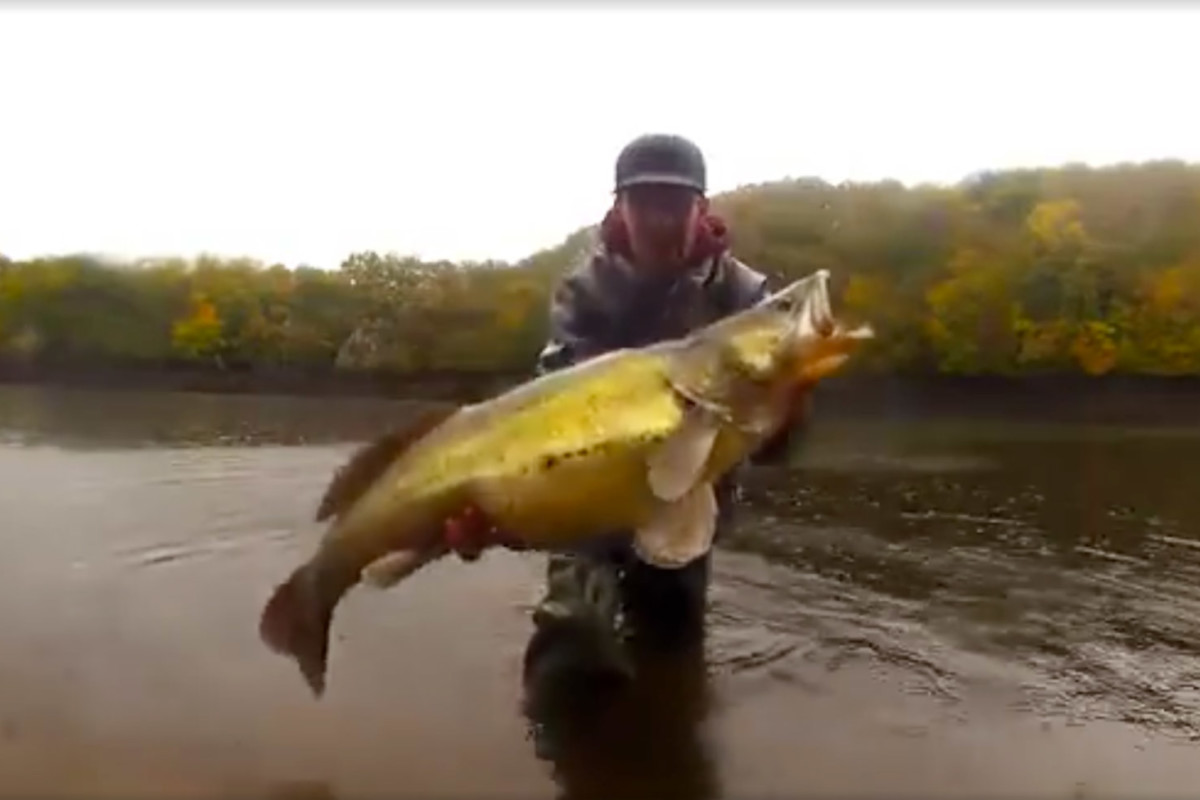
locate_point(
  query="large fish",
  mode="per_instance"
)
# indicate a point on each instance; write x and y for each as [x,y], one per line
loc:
[630,440]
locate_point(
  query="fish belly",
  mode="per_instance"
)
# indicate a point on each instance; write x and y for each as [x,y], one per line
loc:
[570,497]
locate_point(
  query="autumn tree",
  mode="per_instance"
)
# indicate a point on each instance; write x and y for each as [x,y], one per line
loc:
[1074,269]
[198,335]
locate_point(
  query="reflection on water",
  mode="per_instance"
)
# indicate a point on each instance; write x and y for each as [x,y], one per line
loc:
[645,739]
[96,419]
[1077,560]
[909,596]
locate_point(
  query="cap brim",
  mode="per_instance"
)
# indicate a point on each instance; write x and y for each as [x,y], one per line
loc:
[659,179]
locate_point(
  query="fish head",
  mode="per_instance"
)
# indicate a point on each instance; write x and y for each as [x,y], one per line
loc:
[791,336]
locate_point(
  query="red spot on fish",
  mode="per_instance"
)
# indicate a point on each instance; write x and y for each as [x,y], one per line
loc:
[471,532]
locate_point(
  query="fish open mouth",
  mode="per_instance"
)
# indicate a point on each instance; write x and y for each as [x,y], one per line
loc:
[834,342]
[817,308]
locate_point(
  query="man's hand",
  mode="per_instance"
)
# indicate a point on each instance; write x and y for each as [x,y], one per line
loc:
[471,532]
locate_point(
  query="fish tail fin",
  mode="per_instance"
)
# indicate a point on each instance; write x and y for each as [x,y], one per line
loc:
[295,622]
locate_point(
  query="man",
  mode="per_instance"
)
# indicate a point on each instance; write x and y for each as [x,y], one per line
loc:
[660,270]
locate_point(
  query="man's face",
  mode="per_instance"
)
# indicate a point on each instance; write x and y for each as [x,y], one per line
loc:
[661,220]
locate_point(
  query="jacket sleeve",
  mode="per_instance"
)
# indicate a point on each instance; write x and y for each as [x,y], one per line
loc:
[577,329]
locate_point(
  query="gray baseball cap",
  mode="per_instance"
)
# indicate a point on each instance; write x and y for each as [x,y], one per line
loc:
[659,158]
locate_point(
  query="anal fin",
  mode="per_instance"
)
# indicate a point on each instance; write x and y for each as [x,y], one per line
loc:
[386,572]
[370,461]
[680,531]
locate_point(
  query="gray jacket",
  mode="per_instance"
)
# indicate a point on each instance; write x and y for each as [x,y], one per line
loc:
[605,303]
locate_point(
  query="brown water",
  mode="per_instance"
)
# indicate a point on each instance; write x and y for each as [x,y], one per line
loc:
[925,608]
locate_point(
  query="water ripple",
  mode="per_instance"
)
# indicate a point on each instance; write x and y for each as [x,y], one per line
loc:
[947,577]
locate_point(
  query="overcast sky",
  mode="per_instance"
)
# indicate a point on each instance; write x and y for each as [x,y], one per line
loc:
[303,134]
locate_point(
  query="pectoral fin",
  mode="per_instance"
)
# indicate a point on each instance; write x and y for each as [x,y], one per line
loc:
[676,465]
[681,531]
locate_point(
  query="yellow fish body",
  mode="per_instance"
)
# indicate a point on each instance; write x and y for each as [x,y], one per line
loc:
[631,440]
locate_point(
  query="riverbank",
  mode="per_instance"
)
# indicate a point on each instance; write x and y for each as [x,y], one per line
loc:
[1141,399]
[259,379]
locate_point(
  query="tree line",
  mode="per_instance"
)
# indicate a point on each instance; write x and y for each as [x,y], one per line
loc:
[1071,269]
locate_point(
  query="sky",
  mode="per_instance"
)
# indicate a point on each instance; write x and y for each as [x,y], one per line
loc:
[300,134]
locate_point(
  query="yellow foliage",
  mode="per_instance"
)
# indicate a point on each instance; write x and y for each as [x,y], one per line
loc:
[970,320]
[1094,347]
[1056,224]
[204,313]
[863,293]
[517,303]
[1168,289]
[199,333]
[1175,290]
[1041,343]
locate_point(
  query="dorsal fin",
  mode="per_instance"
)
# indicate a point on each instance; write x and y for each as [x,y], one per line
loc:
[354,477]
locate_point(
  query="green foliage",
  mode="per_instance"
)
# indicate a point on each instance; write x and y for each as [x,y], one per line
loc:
[1074,269]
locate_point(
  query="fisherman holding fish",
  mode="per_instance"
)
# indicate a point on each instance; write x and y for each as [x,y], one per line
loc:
[670,364]
[661,269]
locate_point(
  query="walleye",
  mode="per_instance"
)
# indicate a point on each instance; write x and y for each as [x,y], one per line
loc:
[630,440]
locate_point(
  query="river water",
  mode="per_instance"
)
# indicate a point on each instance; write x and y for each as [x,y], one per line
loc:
[916,607]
